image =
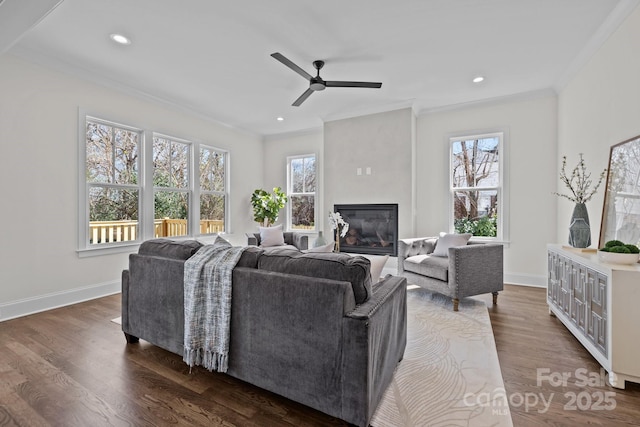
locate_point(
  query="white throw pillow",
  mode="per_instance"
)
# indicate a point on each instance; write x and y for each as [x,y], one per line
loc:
[324,248]
[447,241]
[377,264]
[271,236]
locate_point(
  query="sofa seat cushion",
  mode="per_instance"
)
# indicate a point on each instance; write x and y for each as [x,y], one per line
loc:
[428,265]
[325,265]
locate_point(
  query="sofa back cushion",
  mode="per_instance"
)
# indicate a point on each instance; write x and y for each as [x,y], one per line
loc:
[333,266]
[185,249]
[166,248]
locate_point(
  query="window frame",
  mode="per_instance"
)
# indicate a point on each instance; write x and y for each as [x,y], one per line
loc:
[225,193]
[84,247]
[189,190]
[145,187]
[501,188]
[291,193]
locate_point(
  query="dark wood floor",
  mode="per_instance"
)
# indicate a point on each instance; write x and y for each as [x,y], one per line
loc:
[72,367]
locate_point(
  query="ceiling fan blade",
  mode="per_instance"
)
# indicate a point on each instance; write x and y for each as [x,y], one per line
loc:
[353,84]
[303,97]
[291,65]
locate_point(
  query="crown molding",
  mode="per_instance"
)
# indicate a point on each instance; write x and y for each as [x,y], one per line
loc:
[293,134]
[17,18]
[47,61]
[617,16]
[370,110]
[523,96]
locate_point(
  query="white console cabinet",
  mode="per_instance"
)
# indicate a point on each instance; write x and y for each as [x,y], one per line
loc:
[600,304]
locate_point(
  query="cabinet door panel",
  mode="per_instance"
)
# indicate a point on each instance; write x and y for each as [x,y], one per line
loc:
[597,309]
[578,302]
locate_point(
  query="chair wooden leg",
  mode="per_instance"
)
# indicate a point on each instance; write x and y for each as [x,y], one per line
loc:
[495,298]
[456,302]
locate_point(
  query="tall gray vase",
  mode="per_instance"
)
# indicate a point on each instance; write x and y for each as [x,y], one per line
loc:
[579,229]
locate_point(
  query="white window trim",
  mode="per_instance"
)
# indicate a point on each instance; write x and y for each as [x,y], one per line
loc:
[146,196]
[314,194]
[84,249]
[503,189]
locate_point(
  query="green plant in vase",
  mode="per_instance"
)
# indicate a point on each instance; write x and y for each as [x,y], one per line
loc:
[266,206]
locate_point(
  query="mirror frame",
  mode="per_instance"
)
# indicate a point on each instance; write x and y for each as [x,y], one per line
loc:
[621,208]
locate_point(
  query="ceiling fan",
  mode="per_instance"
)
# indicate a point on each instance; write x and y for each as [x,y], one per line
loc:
[317,83]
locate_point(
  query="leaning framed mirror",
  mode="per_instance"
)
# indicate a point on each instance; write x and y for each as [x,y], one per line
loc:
[621,209]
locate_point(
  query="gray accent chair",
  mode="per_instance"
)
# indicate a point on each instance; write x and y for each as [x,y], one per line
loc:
[291,238]
[309,327]
[474,269]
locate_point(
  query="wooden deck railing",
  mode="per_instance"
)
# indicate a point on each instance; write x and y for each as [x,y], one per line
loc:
[123,231]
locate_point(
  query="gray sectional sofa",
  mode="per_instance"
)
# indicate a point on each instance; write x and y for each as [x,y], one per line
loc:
[310,327]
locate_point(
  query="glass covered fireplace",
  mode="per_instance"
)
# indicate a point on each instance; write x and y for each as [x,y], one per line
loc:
[373,229]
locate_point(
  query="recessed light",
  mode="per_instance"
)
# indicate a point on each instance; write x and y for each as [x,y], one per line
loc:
[120,39]
[280,119]
[478,79]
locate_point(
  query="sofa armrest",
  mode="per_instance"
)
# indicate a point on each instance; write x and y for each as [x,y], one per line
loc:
[383,291]
[479,267]
[375,337]
[252,239]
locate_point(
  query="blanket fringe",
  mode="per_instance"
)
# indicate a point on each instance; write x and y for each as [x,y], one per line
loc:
[210,360]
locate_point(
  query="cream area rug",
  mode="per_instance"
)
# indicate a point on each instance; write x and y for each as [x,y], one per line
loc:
[450,374]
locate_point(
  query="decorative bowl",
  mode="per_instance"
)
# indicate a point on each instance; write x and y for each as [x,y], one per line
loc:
[615,258]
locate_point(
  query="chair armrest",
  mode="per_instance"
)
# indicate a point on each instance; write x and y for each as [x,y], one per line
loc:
[252,239]
[300,241]
[479,267]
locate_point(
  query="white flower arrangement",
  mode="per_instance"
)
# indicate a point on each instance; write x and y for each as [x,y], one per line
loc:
[579,182]
[337,223]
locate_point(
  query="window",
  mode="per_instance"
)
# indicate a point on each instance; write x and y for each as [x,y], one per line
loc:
[171,188]
[186,190]
[301,191]
[212,190]
[112,189]
[476,190]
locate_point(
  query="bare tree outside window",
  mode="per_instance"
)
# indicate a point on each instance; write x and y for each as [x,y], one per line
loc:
[171,185]
[475,182]
[112,180]
[212,190]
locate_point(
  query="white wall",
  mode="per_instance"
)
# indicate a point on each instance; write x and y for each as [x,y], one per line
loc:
[600,107]
[276,150]
[382,142]
[39,266]
[530,152]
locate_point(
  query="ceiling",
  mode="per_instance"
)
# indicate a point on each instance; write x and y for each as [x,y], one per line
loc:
[213,57]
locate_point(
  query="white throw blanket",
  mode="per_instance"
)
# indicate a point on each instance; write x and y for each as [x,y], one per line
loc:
[207,305]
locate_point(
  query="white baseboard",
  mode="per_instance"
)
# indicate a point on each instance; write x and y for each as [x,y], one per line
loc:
[525,280]
[27,306]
